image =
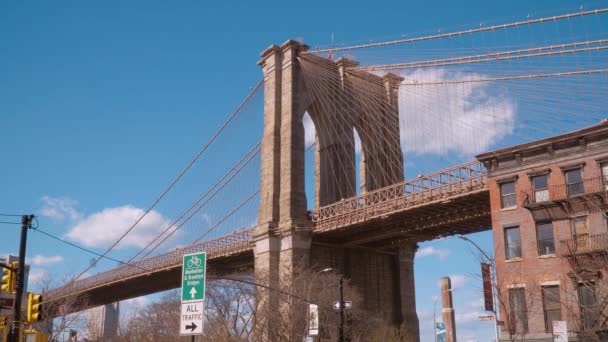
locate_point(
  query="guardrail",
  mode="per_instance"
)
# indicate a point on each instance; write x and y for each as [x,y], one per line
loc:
[584,244]
[226,245]
[559,192]
[423,189]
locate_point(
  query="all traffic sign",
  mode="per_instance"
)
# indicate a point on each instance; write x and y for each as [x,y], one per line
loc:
[191,320]
[194,269]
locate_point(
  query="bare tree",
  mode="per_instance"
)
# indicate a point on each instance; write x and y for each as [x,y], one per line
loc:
[62,315]
[586,298]
[158,321]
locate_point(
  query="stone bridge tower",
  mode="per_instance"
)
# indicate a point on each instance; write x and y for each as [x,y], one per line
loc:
[283,238]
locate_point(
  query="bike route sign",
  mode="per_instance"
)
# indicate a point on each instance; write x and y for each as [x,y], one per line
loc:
[194,274]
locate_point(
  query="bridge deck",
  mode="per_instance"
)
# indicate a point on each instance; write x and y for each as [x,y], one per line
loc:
[223,246]
[421,191]
[411,201]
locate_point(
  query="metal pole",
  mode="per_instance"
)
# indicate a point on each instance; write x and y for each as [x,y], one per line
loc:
[26,221]
[495,299]
[493,281]
[435,320]
[341,332]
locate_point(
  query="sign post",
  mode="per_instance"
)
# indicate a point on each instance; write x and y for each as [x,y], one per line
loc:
[194,275]
[560,331]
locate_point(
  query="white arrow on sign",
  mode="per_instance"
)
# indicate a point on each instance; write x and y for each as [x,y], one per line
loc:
[347,305]
[193,292]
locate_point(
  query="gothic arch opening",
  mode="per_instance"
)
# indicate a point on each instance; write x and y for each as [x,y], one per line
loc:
[310,174]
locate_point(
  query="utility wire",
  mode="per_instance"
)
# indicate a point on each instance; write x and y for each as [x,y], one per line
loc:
[11,215]
[77,246]
[6,222]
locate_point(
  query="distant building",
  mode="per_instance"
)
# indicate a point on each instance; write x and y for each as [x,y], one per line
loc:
[102,322]
[549,202]
[6,299]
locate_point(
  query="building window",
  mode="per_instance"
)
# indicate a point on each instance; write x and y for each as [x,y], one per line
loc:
[512,243]
[551,306]
[574,182]
[518,320]
[604,167]
[580,233]
[588,303]
[507,195]
[544,236]
[541,189]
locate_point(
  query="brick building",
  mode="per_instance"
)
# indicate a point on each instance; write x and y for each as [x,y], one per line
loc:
[548,200]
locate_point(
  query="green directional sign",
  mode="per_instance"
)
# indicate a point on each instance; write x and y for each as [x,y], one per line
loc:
[194,272]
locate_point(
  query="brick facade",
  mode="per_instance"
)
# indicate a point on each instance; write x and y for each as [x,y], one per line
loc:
[535,268]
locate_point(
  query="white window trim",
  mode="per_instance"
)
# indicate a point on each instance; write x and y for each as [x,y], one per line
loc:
[515,286]
[550,283]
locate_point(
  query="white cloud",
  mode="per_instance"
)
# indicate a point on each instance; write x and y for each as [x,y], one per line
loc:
[59,208]
[468,316]
[206,218]
[40,260]
[105,227]
[457,280]
[432,251]
[462,118]
[37,276]
[131,306]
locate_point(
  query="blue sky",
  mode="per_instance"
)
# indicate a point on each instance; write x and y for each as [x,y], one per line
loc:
[102,103]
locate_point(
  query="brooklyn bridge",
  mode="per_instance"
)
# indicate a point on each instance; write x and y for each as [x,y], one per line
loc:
[352,209]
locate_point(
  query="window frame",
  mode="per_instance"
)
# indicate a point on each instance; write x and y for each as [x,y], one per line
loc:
[508,246]
[587,309]
[604,166]
[523,312]
[569,186]
[577,242]
[544,190]
[549,325]
[538,240]
[512,195]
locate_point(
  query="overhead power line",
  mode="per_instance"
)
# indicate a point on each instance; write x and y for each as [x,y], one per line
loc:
[76,246]
[6,222]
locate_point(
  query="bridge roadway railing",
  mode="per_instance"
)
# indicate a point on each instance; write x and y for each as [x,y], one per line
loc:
[440,185]
[226,245]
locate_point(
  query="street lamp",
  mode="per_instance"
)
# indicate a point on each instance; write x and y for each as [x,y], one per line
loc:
[313,278]
[490,261]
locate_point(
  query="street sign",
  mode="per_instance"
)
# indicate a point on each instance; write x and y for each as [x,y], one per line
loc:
[486,318]
[191,319]
[347,305]
[194,268]
[560,331]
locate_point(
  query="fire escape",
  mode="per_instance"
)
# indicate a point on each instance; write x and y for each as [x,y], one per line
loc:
[587,253]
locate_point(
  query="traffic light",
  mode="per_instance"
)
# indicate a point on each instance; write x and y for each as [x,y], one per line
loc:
[8,278]
[33,307]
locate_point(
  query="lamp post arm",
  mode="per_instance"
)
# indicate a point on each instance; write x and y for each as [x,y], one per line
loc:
[489,258]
